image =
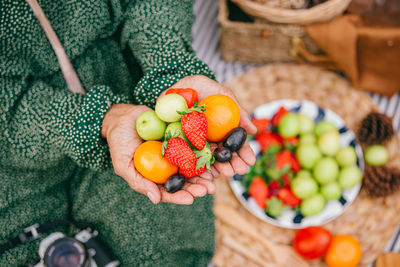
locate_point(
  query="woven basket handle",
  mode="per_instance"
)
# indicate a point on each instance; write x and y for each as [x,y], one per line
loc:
[303,56]
[70,76]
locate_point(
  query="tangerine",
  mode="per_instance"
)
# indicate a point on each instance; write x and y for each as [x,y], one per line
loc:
[344,251]
[223,115]
[150,163]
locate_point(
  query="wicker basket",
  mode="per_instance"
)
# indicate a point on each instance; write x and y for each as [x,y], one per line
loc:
[319,13]
[259,41]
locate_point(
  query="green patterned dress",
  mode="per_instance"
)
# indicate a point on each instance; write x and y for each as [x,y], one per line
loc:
[53,162]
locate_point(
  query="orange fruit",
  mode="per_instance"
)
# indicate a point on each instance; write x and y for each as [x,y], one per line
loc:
[344,251]
[150,163]
[223,115]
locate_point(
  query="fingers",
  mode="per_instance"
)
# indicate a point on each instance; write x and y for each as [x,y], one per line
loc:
[238,165]
[247,154]
[196,190]
[206,175]
[209,185]
[214,172]
[224,168]
[182,197]
[140,184]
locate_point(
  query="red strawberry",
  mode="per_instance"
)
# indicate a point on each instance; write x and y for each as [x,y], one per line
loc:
[267,139]
[278,116]
[188,173]
[259,191]
[194,126]
[283,158]
[178,152]
[287,196]
[204,160]
[261,124]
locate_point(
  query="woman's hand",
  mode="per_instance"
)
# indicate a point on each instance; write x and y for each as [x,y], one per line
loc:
[245,156]
[119,128]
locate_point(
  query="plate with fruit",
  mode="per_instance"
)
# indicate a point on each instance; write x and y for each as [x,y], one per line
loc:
[309,165]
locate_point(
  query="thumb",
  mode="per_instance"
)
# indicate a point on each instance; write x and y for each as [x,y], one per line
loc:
[142,185]
[246,123]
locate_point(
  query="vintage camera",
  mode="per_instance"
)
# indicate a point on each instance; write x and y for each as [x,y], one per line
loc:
[83,250]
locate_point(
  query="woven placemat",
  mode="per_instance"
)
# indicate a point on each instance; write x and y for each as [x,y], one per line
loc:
[371,220]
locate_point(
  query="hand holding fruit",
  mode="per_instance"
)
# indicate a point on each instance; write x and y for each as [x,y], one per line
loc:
[209,93]
[119,128]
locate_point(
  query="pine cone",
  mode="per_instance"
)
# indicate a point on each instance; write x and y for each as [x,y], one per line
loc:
[381,181]
[375,128]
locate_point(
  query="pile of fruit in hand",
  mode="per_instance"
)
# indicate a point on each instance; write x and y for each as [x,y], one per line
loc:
[185,151]
[302,165]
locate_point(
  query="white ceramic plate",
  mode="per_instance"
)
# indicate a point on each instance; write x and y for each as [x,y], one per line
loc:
[289,219]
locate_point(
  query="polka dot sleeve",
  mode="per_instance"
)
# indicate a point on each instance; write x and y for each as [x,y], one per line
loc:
[45,124]
[81,134]
[159,35]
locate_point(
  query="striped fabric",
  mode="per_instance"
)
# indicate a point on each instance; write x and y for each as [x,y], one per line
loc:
[206,44]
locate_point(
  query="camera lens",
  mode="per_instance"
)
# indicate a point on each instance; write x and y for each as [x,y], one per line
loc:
[66,252]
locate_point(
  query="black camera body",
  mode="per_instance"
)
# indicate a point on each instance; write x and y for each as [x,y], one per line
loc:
[85,249]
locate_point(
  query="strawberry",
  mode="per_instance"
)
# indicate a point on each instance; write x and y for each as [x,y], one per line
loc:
[261,124]
[278,116]
[259,191]
[194,126]
[178,152]
[287,196]
[268,139]
[286,157]
[204,159]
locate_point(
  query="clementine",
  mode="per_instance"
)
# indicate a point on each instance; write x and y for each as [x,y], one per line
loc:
[223,115]
[150,163]
[344,251]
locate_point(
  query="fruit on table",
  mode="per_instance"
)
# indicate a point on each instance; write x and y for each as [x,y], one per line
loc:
[304,187]
[149,126]
[288,198]
[307,139]
[324,126]
[306,124]
[190,95]
[349,177]
[235,140]
[194,126]
[149,162]
[278,116]
[331,191]
[223,115]
[175,129]
[329,142]
[376,155]
[312,242]
[286,158]
[344,251]
[308,155]
[326,170]
[174,183]
[259,191]
[168,105]
[313,205]
[289,126]
[222,154]
[346,156]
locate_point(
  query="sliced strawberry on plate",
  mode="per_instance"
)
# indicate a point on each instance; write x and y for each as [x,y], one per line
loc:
[259,191]
[283,159]
[287,196]
[294,163]
[261,124]
[268,139]
[278,116]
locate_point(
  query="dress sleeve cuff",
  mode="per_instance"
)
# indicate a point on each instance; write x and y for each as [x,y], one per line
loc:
[82,137]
